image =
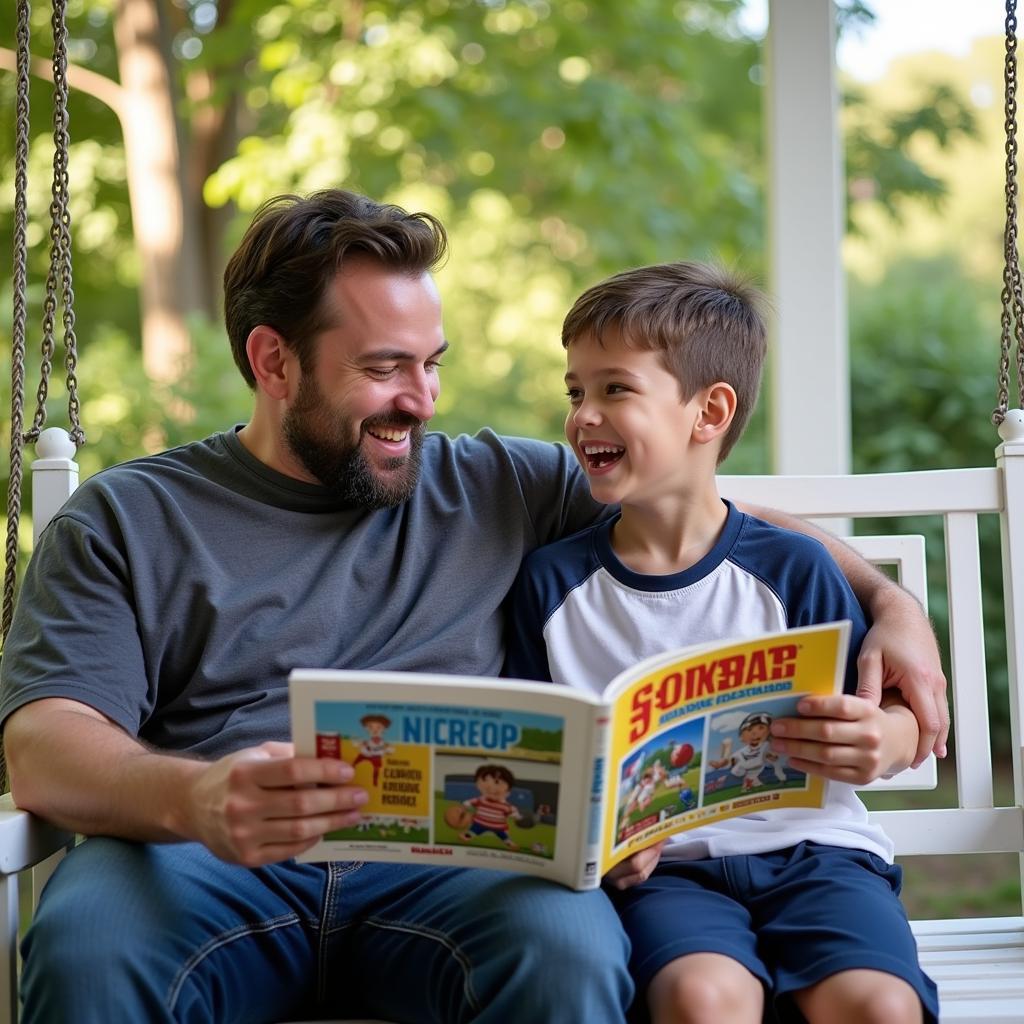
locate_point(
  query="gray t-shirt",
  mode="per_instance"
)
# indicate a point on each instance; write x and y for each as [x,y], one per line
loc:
[175,593]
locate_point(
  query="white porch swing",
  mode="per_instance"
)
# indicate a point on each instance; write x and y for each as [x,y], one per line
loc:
[977,963]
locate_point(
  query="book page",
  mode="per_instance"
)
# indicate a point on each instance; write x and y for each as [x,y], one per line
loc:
[482,773]
[690,737]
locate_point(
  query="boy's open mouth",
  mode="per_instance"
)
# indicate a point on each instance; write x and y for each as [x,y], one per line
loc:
[600,455]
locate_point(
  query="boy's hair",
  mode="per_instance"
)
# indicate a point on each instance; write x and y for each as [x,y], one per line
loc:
[292,251]
[708,324]
[382,719]
[495,771]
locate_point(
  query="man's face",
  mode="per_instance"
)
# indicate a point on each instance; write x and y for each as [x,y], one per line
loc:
[357,420]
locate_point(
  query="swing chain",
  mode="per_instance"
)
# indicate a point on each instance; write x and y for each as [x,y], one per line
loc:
[60,248]
[1012,295]
[59,275]
[20,315]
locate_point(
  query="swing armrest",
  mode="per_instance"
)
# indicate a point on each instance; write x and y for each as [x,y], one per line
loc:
[26,840]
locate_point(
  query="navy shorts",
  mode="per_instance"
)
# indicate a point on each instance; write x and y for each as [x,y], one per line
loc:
[792,918]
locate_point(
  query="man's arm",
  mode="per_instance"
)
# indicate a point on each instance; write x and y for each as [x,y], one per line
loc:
[899,650]
[75,767]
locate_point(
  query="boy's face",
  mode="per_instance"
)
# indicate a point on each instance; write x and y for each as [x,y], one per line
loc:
[627,423]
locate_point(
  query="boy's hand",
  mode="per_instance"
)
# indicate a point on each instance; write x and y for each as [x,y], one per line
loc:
[636,869]
[847,738]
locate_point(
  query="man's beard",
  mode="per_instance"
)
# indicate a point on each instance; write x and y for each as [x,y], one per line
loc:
[320,440]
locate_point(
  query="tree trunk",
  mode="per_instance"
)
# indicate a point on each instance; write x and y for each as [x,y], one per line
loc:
[170,274]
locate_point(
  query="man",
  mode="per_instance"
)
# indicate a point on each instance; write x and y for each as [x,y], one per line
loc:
[144,679]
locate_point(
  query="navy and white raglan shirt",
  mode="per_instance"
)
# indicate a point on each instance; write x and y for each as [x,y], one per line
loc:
[578,616]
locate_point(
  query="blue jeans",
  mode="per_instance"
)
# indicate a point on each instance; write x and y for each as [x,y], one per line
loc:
[152,933]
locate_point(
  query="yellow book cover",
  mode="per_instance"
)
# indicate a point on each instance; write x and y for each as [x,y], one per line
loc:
[690,734]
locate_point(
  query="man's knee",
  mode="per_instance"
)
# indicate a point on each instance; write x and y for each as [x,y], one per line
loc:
[581,929]
[562,949]
[89,920]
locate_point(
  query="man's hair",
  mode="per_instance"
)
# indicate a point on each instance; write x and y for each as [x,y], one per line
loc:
[495,771]
[707,322]
[292,251]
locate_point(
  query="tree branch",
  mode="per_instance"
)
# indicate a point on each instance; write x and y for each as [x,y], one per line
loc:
[82,79]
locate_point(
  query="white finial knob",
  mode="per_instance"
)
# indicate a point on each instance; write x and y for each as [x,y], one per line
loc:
[1012,427]
[55,443]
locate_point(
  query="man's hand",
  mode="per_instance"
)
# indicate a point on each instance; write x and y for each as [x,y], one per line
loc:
[264,804]
[900,651]
[847,738]
[636,869]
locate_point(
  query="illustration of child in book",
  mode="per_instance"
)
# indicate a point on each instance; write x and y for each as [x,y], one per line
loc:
[756,753]
[374,747]
[491,810]
[642,792]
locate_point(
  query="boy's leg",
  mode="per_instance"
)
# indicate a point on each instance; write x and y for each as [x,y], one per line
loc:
[821,911]
[868,997]
[159,933]
[430,944]
[694,953]
[705,988]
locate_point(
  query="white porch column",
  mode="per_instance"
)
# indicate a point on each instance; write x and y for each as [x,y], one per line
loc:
[809,369]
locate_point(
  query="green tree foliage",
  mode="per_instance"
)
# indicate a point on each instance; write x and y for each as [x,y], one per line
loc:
[879,161]
[924,350]
[558,142]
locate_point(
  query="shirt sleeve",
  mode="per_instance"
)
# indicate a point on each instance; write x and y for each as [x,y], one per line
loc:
[826,597]
[526,654]
[807,581]
[74,632]
[555,491]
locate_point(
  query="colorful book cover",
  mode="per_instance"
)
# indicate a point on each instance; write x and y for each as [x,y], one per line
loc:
[557,782]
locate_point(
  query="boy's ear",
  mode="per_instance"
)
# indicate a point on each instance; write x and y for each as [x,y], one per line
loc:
[717,409]
[274,365]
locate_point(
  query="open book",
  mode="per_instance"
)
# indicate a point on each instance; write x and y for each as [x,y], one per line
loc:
[560,783]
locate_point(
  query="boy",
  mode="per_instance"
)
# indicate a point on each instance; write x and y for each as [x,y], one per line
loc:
[756,753]
[491,809]
[374,748]
[795,907]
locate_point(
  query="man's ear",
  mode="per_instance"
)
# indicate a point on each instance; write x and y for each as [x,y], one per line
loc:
[274,364]
[717,409]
